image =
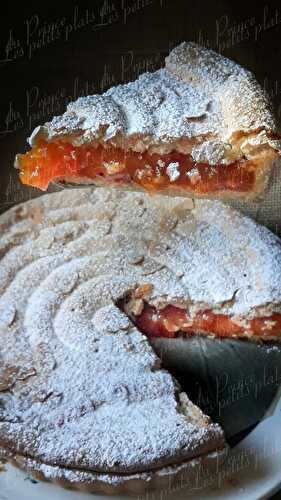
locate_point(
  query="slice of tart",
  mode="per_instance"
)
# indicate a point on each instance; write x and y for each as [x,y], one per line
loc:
[84,400]
[200,127]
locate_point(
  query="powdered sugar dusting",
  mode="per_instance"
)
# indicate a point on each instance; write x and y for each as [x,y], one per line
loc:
[93,395]
[125,483]
[199,104]
[173,171]
[83,388]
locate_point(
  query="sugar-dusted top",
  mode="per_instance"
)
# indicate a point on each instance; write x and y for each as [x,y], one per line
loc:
[79,385]
[201,103]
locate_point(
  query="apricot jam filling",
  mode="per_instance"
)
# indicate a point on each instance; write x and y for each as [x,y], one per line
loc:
[153,172]
[171,321]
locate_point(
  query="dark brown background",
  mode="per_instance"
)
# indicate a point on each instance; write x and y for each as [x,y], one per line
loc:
[52,53]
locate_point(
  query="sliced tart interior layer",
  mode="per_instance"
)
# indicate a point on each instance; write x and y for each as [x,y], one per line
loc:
[172,321]
[153,172]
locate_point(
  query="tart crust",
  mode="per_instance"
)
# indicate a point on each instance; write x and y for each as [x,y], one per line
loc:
[201,105]
[185,475]
[80,386]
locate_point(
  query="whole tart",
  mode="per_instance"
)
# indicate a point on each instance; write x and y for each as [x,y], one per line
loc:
[84,400]
[201,127]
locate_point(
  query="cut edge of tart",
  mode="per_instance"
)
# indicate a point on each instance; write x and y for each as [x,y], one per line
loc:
[200,127]
[67,259]
[171,320]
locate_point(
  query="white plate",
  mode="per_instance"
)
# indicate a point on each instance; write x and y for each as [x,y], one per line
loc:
[253,472]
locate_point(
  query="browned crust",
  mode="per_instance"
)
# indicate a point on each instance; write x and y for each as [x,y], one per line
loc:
[184,474]
[37,213]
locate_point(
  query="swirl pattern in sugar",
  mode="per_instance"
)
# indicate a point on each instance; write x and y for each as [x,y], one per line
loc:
[80,387]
